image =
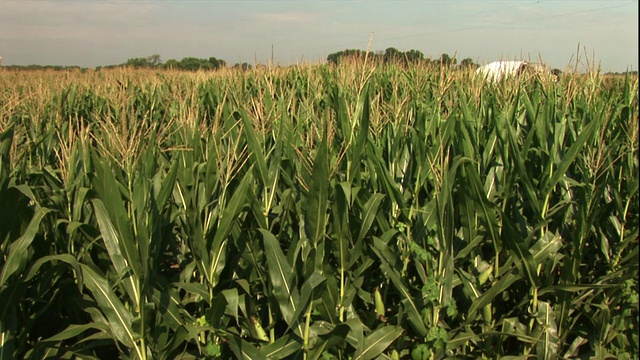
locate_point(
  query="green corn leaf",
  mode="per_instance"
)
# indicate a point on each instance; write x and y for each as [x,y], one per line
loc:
[316,213]
[487,297]
[547,347]
[336,337]
[74,330]
[257,153]
[389,184]
[198,247]
[233,302]
[514,327]
[8,329]
[362,114]
[572,288]
[17,256]
[243,349]
[518,249]
[376,342]
[114,244]
[275,168]
[369,212]
[194,288]
[487,210]
[120,320]
[339,106]
[341,244]
[570,156]
[519,336]
[355,335]
[283,280]
[464,106]
[462,339]
[168,306]
[413,314]
[144,222]
[330,297]
[67,258]
[113,220]
[6,138]
[167,186]
[379,303]
[218,251]
[546,247]
[284,347]
[311,289]
[573,351]
[469,282]
[509,144]
[80,197]
[256,330]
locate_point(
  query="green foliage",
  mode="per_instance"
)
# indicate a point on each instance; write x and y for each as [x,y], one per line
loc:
[467,63]
[150,62]
[188,63]
[390,56]
[326,212]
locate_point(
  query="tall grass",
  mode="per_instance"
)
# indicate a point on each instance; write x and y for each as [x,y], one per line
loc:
[361,211]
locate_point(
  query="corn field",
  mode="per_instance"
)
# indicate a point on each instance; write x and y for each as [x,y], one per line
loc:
[360,211]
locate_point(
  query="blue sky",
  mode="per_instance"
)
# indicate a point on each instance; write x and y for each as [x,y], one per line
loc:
[103,32]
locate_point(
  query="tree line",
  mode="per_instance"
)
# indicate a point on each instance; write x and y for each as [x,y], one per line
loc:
[44,67]
[187,63]
[390,55]
[395,56]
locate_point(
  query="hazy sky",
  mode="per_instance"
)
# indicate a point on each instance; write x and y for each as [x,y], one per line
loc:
[103,32]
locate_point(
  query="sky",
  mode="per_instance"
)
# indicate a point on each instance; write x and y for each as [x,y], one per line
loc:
[92,33]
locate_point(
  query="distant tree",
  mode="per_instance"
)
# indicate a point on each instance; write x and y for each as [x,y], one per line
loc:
[447,60]
[192,63]
[188,63]
[147,62]
[154,60]
[414,56]
[467,63]
[171,64]
[392,55]
[46,67]
[335,58]
[244,66]
[138,62]
[217,63]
